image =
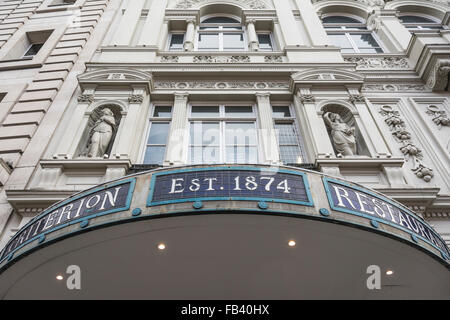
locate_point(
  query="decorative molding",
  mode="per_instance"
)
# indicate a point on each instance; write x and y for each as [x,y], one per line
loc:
[221,59]
[86,98]
[440,117]
[116,76]
[353,98]
[394,87]
[136,98]
[309,98]
[249,4]
[438,79]
[379,63]
[273,59]
[402,135]
[170,59]
[221,85]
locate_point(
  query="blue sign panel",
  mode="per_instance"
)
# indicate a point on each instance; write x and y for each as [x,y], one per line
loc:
[113,198]
[229,183]
[349,199]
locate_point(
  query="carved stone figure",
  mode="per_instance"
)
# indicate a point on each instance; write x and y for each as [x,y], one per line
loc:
[343,136]
[101,133]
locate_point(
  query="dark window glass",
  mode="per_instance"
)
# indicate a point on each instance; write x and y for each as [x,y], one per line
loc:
[220,20]
[33,50]
[339,19]
[265,42]
[176,41]
[415,19]
[162,111]
[205,111]
[281,112]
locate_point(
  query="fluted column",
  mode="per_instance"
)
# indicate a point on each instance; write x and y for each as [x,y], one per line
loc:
[178,136]
[190,35]
[267,132]
[253,42]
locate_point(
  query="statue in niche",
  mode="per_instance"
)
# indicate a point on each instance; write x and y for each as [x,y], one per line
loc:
[343,136]
[101,133]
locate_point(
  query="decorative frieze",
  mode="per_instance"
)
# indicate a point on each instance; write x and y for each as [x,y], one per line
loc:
[379,63]
[353,98]
[440,117]
[395,87]
[221,59]
[308,98]
[249,4]
[273,59]
[136,98]
[409,149]
[86,98]
[269,85]
[169,59]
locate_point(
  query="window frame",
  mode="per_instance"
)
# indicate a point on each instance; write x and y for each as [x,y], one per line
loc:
[290,120]
[272,40]
[221,31]
[169,40]
[223,119]
[349,29]
[150,120]
[414,27]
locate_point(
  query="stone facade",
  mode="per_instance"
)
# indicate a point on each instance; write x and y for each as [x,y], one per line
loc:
[117,54]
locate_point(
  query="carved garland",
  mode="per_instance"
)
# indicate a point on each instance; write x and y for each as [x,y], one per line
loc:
[403,136]
[440,117]
[379,63]
[251,4]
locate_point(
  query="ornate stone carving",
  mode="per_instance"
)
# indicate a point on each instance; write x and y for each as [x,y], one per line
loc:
[101,133]
[306,98]
[250,4]
[343,136]
[273,59]
[353,98]
[372,3]
[136,98]
[409,149]
[86,98]
[438,79]
[379,63]
[116,76]
[270,85]
[440,117]
[221,59]
[169,59]
[394,87]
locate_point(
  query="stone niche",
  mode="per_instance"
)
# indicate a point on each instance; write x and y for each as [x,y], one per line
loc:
[349,119]
[82,150]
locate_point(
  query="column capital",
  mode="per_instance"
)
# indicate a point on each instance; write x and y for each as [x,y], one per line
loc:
[262,95]
[250,21]
[178,96]
[191,21]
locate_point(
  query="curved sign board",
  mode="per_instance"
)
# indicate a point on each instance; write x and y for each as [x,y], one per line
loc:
[255,189]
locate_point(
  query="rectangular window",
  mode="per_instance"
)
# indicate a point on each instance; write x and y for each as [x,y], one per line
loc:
[265,42]
[230,138]
[33,50]
[289,142]
[208,41]
[176,42]
[155,150]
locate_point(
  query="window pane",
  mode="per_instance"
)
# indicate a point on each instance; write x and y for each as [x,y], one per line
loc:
[34,49]
[364,40]
[242,154]
[208,41]
[288,142]
[281,112]
[238,111]
[286,133]
[154,155]
[162,111]
[233,41]
[205,111]
[340,40]
[205,155]
[220,20]
[176,41]
[205,133]
[339,19]
[264,42]
[415,19]
[158,133]
[240,133]
[290,154]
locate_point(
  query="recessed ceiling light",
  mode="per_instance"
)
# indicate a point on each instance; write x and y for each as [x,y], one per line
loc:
[389,272]
[161,246]
[59,277]
[291,243]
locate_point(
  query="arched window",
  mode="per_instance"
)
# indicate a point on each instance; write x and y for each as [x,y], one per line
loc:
[414,22]
[351,34]
[220,33]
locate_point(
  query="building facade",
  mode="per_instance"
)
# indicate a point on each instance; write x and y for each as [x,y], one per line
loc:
[94,90]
